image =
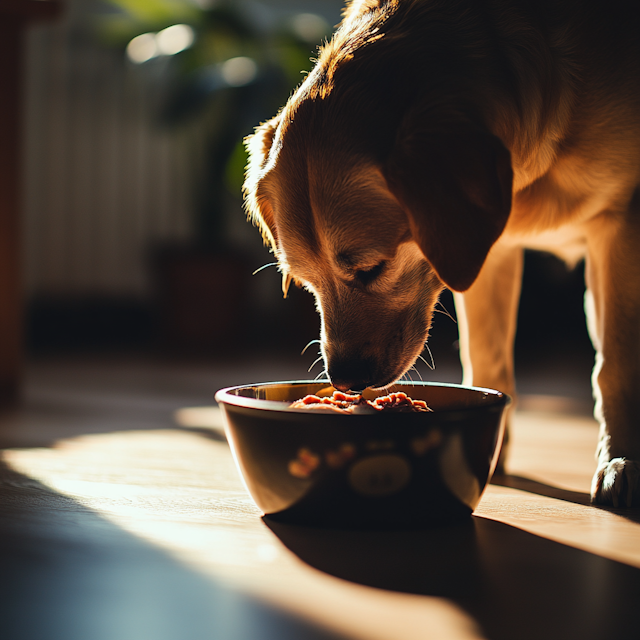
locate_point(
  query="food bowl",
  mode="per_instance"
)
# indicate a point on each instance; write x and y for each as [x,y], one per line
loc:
[382,470]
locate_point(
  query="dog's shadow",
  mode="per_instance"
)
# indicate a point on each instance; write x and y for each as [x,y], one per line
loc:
[540,488]
[513,583]
[577,497]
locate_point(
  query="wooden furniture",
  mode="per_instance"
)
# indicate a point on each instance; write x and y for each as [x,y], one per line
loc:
[15,16]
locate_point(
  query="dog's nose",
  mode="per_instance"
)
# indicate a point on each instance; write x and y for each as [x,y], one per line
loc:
[351,375]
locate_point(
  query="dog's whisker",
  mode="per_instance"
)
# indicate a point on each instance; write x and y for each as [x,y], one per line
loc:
[445,312]
[264,266]
[315,362]
[423,360]
[308,345]
[419,375]
[431,366]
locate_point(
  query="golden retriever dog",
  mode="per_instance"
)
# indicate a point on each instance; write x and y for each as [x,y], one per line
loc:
[431,143]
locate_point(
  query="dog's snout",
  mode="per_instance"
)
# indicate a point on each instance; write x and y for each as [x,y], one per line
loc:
[350,374]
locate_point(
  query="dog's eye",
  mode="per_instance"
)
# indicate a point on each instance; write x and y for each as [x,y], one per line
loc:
[367,276]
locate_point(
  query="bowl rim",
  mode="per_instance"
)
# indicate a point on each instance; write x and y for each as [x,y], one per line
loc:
[225,396]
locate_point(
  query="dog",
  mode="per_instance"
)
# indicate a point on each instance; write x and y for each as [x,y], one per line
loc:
[432,142]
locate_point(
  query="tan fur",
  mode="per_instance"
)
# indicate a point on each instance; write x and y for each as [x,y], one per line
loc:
[433,141]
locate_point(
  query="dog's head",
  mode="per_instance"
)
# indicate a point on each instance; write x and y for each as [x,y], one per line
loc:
[374,217]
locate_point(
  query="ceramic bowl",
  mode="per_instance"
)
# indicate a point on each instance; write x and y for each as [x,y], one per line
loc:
[382,470]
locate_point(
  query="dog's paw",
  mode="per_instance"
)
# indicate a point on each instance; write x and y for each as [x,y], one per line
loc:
[617,483]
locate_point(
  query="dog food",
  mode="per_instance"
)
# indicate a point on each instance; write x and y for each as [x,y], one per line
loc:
[347,403]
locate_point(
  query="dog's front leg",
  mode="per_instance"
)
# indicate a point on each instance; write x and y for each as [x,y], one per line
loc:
[487,315]
[612,303]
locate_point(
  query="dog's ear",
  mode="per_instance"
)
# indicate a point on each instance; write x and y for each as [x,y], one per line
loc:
[455,186]
[257,205]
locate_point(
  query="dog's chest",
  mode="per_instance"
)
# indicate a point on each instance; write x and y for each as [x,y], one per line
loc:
[568,242]
[551,212]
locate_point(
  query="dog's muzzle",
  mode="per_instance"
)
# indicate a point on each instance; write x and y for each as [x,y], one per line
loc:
[351,374]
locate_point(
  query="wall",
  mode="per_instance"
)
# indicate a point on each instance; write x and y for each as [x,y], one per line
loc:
[103,183]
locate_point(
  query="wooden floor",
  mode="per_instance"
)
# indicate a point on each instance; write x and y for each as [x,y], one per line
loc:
[122,517]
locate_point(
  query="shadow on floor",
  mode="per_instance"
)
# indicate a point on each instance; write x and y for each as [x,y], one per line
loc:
[541,489]
[577,497]
[513,583]
[67,573]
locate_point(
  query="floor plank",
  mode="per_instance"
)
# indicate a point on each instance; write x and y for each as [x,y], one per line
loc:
[122,516]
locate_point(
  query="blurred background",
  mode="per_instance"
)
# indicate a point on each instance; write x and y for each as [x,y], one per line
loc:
[135,115]
[135,241]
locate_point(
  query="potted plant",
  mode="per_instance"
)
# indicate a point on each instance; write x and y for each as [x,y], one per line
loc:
[230,70]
